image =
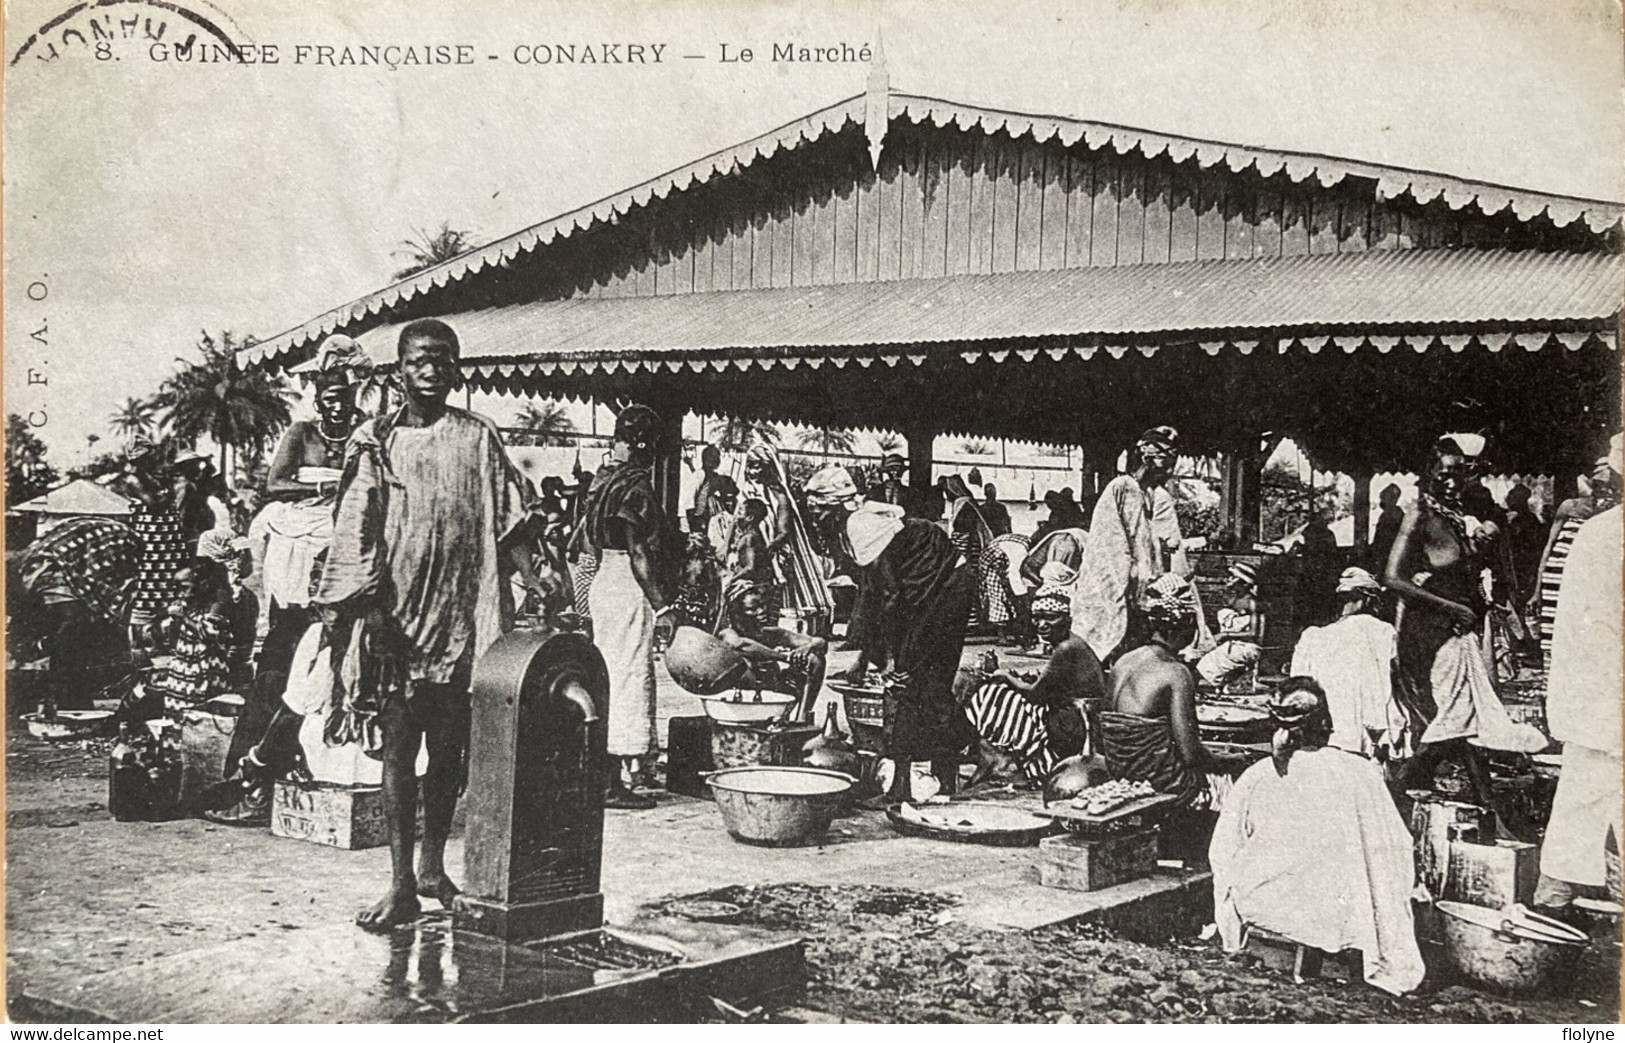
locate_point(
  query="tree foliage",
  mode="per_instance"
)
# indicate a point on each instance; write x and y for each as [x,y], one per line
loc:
[737,435]
[1288,502]
[424,249]
[826,440]
[28,473]
[243,409]
[546,424]
[136,416]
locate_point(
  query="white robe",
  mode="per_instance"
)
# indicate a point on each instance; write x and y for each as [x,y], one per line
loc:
[1353,659]
[1319,856]
[1583,695]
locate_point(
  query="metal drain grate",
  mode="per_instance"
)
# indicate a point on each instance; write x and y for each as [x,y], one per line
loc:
[604,952]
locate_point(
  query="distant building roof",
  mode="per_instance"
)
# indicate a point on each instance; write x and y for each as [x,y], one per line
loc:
[79,497]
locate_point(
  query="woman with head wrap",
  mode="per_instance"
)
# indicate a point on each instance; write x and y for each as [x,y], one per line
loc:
[830,494]
[1353,659]
[1148,733]
[627,530]
[999,575]
[971,534]
[1034,724]
[800,571]
[1309,846]
[155,518]
[1437,567]
[1123,556]
[912,569]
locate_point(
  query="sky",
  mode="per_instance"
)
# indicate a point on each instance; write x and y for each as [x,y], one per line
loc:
[150,200]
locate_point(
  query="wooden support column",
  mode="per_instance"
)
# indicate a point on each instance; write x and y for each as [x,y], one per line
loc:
[1362,507]
[669,462]
[1099,466]
[1241,499]
[920,437]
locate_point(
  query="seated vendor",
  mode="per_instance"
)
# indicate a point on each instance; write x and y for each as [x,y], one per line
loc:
[1148,733]
[193,642]
[1235,653]
[1309,846]
[780,660]
[1034,725]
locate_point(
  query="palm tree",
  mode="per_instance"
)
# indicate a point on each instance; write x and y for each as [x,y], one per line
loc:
[889,442]
[737,435]
[547,424]
[426,250]
[242,409]
[826,440]
[975,447]
[135,417]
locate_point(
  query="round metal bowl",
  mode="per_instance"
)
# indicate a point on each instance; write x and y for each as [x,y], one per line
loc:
[1510,950]
[778,807]
[747,709]
[980,822]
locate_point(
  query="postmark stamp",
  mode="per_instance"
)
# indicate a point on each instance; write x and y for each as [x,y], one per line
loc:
[108,30]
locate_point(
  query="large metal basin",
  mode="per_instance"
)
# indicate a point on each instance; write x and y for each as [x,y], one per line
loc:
[1510,950]
[778,807]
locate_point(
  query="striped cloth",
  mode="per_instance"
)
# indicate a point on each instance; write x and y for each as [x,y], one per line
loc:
[1551,580]
[1012,725]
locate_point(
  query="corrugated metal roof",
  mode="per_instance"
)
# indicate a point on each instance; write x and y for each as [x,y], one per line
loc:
[1392,183]
[1380,294]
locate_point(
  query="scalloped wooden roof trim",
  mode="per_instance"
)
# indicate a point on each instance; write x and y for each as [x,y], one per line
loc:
[1392,183]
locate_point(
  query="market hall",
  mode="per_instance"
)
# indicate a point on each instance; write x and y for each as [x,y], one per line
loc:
[913,265]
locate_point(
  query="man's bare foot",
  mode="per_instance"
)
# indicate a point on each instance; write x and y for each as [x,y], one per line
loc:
[395,908]
[439,887]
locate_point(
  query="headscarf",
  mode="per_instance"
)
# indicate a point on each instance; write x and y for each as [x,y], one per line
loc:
[1303,721]
[638,426]
[1169,599]
[871,528]
[892,462]
[760,455]
[140,446]
[829,486]
[221,546]
[1356,580]
[1164,438]
[1244,572]
[341,362]
[1052,598]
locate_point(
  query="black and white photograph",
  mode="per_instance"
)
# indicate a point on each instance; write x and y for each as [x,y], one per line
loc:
[813,513]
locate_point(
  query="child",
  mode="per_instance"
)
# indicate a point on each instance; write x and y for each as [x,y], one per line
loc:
[747,552]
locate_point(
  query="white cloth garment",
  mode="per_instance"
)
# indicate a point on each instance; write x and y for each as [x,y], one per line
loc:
[623,630]
[1468,706]
[1319,856]
[1583,693]
[286,538]
[1353,660]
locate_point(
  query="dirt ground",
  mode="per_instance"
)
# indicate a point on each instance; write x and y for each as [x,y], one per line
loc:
[888,955]
[875,954]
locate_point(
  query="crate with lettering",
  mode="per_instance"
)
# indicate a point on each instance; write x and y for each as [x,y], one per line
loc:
[349,817]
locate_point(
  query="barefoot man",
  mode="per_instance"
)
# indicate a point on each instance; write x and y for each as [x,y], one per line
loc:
[420,547]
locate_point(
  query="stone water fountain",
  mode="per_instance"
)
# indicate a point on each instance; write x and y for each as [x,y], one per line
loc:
[534,850]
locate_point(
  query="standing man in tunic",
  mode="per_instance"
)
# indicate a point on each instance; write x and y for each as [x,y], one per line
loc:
[414,589]
[1122,556]
[624,526]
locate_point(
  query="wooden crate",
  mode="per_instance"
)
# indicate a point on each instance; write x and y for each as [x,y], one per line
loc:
[1076,863]
[348,817]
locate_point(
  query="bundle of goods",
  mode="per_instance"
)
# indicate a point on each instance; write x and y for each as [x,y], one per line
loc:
[1108,796]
